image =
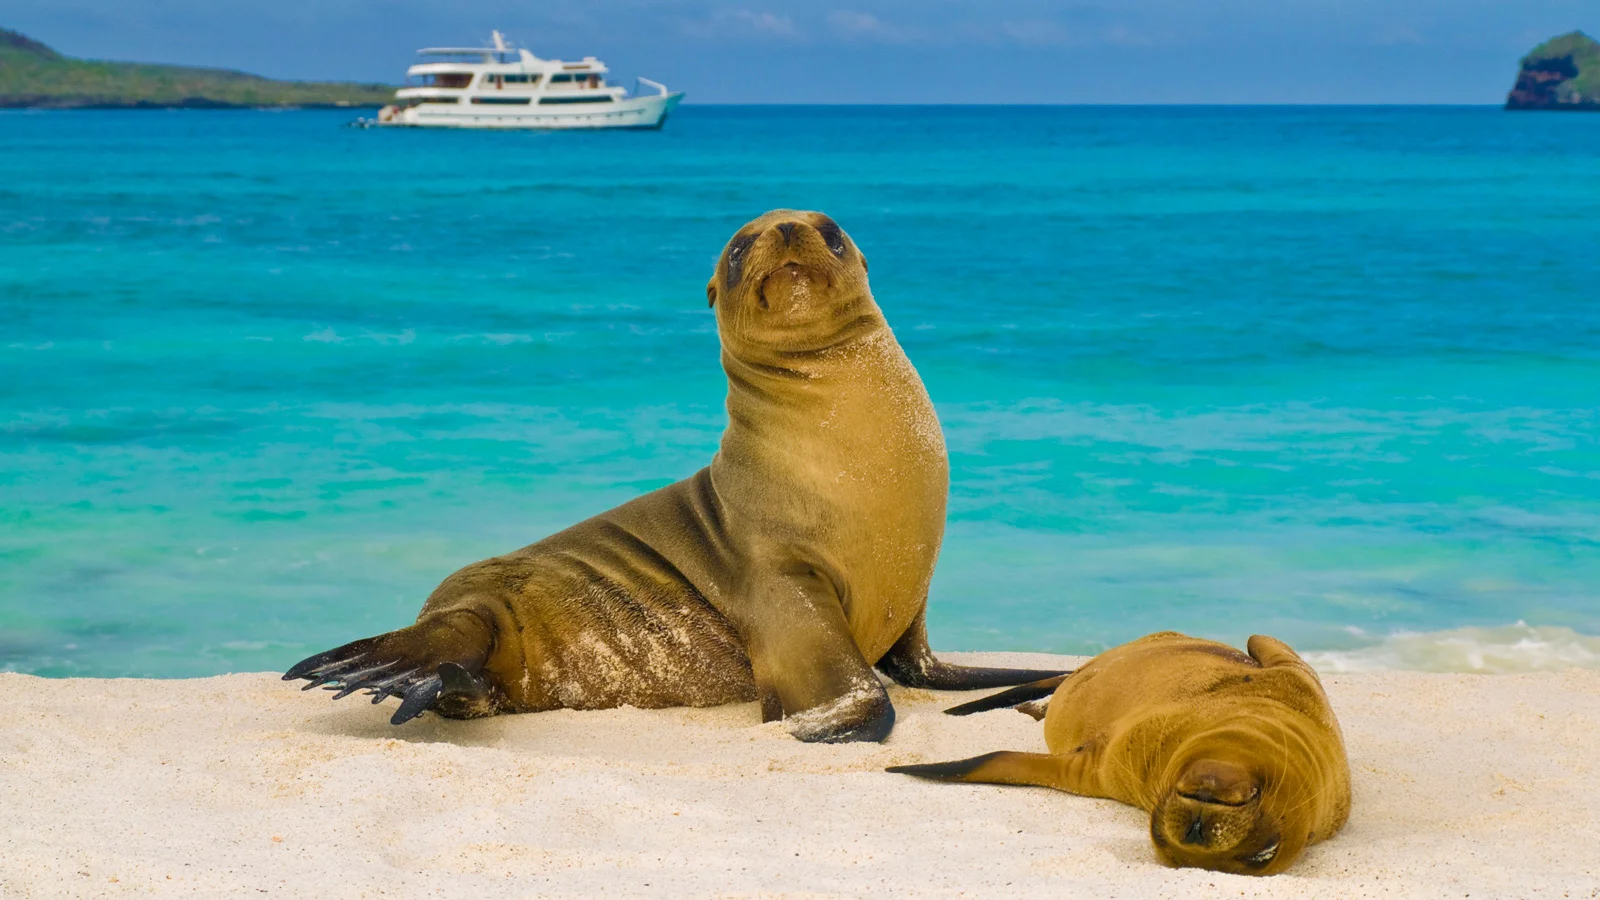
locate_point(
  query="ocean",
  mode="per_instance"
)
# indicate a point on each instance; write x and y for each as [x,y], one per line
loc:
[1331,374]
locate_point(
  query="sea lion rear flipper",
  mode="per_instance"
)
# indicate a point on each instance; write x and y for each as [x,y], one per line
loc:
[1037,709]
[432,663]
[911,662]
[1013,697]
[1005,767]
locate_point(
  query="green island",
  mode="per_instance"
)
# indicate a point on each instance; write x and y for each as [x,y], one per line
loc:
[1562,73]
[33,75]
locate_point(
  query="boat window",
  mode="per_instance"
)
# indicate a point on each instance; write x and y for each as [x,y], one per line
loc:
[503,101]
[601,98]
[441,99]
[447,80]
[520,79]
[591,79]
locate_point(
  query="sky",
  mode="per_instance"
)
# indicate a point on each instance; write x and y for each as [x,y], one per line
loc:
[870,51]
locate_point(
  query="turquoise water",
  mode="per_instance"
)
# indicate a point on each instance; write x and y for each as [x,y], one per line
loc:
[1327,373]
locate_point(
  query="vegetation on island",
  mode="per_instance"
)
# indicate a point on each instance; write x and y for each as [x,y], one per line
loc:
[34,75]
[1561,73]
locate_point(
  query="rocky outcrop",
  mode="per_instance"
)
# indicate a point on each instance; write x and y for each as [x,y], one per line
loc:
[33,75]
[1561,73]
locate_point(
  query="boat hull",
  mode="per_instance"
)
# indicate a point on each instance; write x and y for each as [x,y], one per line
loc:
[631,112]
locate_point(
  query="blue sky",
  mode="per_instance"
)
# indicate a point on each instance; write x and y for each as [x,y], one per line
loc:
[901,51]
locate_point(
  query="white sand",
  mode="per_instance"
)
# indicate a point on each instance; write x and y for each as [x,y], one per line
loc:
[236,786]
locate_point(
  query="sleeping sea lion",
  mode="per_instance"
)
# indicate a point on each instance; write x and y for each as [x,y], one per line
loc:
[1238,759]
[784,571]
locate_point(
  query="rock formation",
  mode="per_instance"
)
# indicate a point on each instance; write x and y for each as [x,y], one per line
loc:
[1561,73]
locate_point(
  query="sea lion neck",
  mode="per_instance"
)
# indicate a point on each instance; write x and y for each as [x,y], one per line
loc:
[751,363]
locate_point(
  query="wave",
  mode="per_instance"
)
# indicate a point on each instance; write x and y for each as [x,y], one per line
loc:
[1503,649]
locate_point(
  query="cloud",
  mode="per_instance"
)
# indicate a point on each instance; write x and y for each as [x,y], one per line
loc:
[1036,33]
[1396,34]
[727,23]
[1051,33]
[860,26]
[1123,36]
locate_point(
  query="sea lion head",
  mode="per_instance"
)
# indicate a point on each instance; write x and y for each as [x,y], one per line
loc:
[1236,806]
[790,281]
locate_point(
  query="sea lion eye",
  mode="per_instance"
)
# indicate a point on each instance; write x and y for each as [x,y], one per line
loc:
[736,251]
[832,236]
[1265,856]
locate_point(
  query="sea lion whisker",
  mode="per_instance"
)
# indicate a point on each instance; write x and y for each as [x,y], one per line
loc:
[1305,795]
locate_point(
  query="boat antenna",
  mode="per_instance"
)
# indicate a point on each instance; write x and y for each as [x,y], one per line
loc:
[500,42]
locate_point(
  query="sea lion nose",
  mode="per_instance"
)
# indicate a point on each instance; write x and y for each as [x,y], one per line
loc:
[787,230]
[1196,833]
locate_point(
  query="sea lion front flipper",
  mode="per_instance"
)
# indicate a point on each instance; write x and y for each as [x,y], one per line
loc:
[1005,767]
[911,662]
[803,654]
[1013,697]
[410,663]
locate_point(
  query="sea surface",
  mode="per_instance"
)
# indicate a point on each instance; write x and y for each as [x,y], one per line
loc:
[1331,374]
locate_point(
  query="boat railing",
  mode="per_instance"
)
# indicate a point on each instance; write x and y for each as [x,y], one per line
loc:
[658,86]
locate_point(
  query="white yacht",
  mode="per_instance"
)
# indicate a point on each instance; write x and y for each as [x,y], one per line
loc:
[503,87]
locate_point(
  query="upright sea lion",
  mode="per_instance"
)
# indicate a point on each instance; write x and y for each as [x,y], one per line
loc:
[1238,759]
[798,560]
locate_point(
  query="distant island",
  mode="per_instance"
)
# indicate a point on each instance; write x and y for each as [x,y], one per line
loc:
[1561,73]
[33,75]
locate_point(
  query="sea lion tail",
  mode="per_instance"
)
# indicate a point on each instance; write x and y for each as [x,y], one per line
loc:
[438,661]
[1016,696]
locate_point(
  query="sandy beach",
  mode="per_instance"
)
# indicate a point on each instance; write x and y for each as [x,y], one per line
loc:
[241,785]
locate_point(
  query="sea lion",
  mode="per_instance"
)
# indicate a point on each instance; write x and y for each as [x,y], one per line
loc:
[784,571]
[1238,759]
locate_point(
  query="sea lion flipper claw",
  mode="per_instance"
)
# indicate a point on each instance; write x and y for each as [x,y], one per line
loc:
[437,660]
[327,659]
[419,697]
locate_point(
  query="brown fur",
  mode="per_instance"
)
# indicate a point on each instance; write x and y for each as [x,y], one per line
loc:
[784,571]
[1238,759]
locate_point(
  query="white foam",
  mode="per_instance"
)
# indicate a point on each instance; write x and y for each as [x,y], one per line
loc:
[1507,648]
